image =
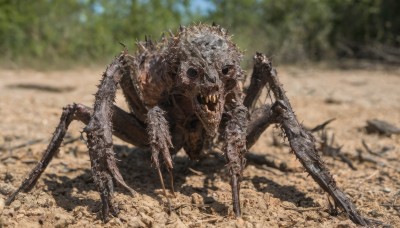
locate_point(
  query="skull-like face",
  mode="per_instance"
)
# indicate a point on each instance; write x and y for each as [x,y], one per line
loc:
[208,68]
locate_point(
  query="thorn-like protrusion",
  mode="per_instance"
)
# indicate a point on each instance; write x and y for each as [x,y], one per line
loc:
[182,28]
[163,37]
[149,42]
[141,47]
[171,34]
[125,51]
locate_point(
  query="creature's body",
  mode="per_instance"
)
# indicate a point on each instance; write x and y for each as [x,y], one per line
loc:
[185,92]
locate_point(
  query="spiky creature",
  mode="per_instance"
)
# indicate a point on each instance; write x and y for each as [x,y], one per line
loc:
[185,92]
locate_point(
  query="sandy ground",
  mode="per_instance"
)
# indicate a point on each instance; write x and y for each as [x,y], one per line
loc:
[65,194]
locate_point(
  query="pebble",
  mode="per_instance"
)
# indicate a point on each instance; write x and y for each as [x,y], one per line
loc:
[197,198]
[123,207]
[16,205]
[240,223]
[387,190]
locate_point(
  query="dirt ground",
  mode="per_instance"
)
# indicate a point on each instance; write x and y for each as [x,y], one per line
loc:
[65,195]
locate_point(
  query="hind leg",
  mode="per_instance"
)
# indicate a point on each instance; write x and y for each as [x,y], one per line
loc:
[66,118]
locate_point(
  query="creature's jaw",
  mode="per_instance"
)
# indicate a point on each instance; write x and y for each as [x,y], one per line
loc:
[208,108]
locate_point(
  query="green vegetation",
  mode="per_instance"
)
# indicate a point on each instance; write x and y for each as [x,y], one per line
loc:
[55,32]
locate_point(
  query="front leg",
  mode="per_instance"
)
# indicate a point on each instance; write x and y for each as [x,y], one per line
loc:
[99,140]
[160,142]
[235,145]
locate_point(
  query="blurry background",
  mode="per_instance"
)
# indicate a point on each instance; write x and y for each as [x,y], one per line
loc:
[57,34]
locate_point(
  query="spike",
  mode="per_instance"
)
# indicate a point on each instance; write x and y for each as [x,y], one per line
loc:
[149,42]
[125,51]
[182,28]
[163,36]
[141,47]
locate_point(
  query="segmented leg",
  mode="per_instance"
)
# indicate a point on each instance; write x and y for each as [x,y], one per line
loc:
[261,117]
[66,118]
[121,122]
[99,140]
[125,125]
[300,140]
[235,149]
[99,134]
[260,120]
[160,142]
[257,83]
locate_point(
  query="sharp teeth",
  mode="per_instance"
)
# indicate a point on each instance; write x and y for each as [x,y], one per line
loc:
[209,99]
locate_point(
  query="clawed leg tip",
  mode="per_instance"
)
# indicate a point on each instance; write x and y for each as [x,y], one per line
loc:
[238,216]
[105,219]
[11,199]
[132,192]
[8,202]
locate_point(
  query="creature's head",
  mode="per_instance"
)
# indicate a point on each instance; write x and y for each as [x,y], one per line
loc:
[207,68]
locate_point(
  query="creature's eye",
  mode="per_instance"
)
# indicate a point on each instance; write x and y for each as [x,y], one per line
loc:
[192,73]
[226,69]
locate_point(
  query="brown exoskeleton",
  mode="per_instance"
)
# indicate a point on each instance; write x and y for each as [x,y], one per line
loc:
[185,92]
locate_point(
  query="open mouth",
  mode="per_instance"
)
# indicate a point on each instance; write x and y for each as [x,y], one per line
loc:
[208,107]
[209,102]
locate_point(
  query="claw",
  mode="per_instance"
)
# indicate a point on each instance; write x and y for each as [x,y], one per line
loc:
[235,195]
[105,208]
[164,191]
[171,178]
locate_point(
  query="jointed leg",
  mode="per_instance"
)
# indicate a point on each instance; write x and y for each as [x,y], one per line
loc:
[300,140]
[99,138]
[257,83]
[160,142]
[261,117]
[66,118]
[235,149]
[260,120]
[125,126]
